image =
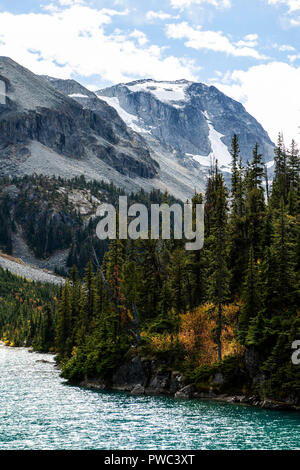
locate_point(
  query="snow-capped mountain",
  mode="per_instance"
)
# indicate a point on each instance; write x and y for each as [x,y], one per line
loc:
[187,124]
[144,134]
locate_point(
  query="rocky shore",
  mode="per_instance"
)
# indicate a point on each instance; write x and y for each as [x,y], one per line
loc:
[147,377]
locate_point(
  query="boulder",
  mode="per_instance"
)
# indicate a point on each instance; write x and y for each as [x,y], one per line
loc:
[185,392]
[138,390]
[175,382]
[160,383]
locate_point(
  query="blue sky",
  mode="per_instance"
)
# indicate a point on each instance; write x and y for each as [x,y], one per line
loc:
[250,49]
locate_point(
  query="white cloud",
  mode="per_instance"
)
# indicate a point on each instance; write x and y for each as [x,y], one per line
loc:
[293,5]
[286,48]
[211,40]
[294,57]
[70,2]
[159,15]
[250,40]
[139,36]
[74,40]
[293,9]
[251,37]
[181,4]
[271,93]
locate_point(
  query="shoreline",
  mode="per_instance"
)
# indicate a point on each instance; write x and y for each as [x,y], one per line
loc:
[243,400]
[186,393]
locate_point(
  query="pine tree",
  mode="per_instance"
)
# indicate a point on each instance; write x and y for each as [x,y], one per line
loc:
[251,297]
[280,185]
[293,162]
[64,323]
[177,278]
[257,169]
[235,175]
[255,204]
[282,251]
[237,227]
[217,247]
[196,268]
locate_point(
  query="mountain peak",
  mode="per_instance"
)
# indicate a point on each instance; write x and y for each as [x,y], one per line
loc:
[169,92]
[187,123]
[25,89]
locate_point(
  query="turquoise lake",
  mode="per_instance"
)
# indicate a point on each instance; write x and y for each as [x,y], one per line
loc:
[39,411]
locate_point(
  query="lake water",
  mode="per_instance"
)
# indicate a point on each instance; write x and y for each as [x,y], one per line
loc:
[39,411]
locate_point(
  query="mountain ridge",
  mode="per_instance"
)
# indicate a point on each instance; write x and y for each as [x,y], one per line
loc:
[44,131]
[192,105]
[144,134]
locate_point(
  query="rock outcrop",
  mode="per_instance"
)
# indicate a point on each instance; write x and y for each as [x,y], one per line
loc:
[35,111]
[141,376]
[149,377]
[187,125]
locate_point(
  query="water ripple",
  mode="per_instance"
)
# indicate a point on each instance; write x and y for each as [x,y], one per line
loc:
[39,411]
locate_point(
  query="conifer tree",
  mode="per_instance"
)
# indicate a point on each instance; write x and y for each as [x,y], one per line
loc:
[237,227]
[64,323]
[251,297]
[217,252]
[196,268]
[293,162]
[280,185]
[282,251]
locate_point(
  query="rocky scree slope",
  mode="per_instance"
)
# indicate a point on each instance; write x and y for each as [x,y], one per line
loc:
[44,131]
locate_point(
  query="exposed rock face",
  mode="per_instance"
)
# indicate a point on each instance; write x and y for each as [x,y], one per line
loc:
[181,121]
[130,375]
[143,134]
[35,111]
[140,376]
[187,124]
[145,377]
[138,390]
[185,392]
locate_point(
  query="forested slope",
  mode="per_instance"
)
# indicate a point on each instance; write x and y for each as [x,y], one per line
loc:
[221,319]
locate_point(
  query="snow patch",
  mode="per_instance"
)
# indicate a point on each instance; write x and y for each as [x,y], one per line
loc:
[202,159]
[77,95]
[219,149]
[129,119]
[167,92]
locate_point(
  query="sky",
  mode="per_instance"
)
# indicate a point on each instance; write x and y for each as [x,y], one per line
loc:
[249,49]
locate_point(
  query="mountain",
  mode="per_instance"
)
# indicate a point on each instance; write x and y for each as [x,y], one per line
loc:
[180,180]
[187,124]
[144,134]
[44,131]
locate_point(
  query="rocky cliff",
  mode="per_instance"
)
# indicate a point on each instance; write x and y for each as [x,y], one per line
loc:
[188,126]
[143,134]
[44,131]
[142,376]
